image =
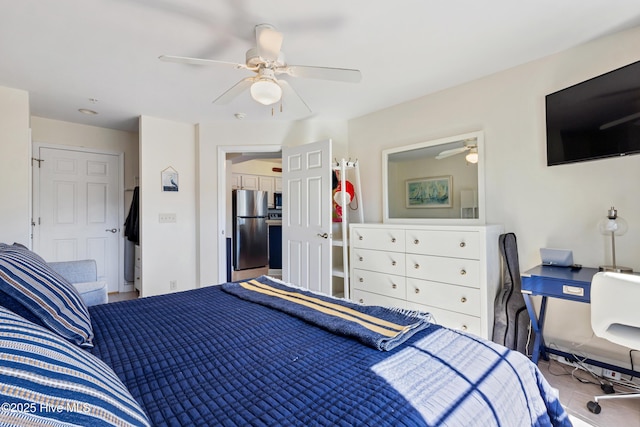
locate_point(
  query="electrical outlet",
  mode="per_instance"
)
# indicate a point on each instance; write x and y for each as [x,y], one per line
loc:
[173,285]
[167,217]
[608,373]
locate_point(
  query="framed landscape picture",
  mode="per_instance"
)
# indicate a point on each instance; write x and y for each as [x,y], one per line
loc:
[432,192]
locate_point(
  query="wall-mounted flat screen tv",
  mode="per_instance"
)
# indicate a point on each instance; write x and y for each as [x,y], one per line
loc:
[595,119]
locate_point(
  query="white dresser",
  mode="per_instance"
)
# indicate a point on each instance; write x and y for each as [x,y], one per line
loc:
[453,272]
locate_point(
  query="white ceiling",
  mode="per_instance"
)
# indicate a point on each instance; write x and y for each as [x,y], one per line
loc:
[66,52]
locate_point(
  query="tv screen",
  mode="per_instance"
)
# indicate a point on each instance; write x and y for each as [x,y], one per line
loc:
[595,119]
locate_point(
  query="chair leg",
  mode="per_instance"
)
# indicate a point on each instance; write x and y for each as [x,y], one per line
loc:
[595,407]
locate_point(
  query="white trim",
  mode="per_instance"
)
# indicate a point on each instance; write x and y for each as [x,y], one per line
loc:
[30,181]
[223,150]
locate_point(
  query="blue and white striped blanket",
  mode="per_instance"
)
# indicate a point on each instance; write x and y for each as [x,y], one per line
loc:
[378,327]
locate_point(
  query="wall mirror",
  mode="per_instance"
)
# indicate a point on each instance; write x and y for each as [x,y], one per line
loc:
[435,182]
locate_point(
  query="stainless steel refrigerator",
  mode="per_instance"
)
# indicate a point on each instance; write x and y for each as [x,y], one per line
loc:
[250,244]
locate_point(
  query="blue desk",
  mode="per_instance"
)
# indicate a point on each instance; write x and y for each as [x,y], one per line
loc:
[564,283]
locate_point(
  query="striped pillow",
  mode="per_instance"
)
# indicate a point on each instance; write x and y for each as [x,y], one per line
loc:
[34,290]
[45,380]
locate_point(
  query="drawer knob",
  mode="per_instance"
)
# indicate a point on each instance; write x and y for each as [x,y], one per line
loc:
[361,280]
[359,237]
[361,301]
[463,244]
[416,266]
[394,286]
[416,241]
[464,327]
[463,272]
[463,300]
[393,263]
[393,240]
[417,290]
[360,258]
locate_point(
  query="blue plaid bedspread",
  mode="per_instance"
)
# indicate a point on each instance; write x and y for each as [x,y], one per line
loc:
[205,357]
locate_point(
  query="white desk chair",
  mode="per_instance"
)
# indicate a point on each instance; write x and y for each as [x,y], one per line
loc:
[615,317]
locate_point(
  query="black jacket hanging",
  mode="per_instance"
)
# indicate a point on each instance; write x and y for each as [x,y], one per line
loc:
[131,225]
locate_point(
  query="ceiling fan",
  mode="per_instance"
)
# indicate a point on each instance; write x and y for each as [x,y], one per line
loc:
[267,61]
[470,145]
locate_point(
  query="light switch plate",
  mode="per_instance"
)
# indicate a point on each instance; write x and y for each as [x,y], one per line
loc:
[167,217]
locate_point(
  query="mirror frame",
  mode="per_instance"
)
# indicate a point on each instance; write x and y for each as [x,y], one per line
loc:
[479,135]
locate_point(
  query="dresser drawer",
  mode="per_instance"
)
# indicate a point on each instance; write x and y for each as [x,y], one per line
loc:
[460,299]
[379,283]
[450,319]
[382,261]
[369,298]
[386,239]
[459,271]
[457,244]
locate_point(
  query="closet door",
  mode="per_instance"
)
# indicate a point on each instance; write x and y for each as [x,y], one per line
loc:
[78,207]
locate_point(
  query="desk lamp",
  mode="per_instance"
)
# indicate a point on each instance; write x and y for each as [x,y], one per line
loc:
[615,226]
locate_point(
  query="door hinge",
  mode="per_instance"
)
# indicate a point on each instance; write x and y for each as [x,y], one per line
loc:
[37,160]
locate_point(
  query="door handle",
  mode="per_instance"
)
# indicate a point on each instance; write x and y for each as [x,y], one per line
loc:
[324,235]
[113,230]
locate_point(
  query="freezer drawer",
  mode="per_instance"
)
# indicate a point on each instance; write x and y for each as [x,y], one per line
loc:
[250,243]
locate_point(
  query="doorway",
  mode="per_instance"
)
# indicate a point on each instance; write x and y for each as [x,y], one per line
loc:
[225,177]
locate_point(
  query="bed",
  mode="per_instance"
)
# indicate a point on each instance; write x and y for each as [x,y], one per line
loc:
[210,357]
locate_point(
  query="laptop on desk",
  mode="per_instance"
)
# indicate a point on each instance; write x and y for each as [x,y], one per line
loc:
[556,257]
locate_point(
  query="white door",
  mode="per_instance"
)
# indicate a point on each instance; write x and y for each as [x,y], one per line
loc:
[77,209]
[306,222]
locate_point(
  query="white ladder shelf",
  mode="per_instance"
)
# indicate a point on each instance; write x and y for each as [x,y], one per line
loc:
[342,167]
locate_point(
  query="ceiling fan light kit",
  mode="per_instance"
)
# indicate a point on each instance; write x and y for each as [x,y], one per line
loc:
[267,61]
[266,91]
[470,146]
[472,157]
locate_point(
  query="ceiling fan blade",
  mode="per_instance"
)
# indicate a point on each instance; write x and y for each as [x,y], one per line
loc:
[268,42]
[324,73]
[234,91]
[291,99]
[197,61]
[452,152]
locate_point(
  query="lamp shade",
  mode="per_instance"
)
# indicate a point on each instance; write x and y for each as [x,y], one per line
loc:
[266,91]
[613,224]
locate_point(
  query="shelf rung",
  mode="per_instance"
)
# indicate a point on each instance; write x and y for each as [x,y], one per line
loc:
[337,273]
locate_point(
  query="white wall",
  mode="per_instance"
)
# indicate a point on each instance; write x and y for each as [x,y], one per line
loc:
[556,207]
[15,167]
[246,133]
[168,249]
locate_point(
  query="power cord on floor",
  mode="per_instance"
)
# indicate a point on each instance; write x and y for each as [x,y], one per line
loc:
[605,383]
